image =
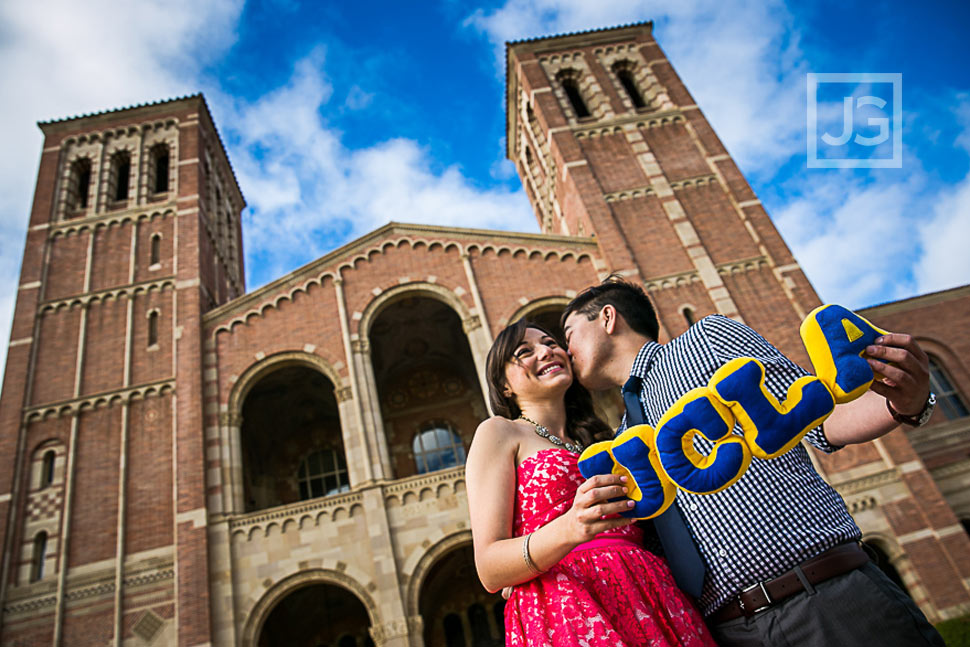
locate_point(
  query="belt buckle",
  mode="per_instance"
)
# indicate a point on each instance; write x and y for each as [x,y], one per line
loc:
[768,601]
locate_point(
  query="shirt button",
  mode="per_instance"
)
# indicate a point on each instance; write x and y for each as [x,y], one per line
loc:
[693,507]
[722,553]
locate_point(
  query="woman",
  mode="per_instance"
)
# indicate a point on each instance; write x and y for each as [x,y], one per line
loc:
[579,572]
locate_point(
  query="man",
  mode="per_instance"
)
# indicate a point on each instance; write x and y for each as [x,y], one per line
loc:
[780,562]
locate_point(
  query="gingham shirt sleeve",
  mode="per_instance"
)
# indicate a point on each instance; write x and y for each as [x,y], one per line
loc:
[730,339]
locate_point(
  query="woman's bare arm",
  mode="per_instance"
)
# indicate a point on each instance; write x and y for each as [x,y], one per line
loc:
[491,481]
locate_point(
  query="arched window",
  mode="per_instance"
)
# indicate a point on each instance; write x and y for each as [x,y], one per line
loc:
[571,87]
[947,396]
[498,610]
[80,183]
[882,561]
[120,175]
[153,328]
[454,633]
[322,473]
[478,619]
[688,313]
[156,249]
[437,446]
[47,468]
[38,556]
[625,74]
[160,168]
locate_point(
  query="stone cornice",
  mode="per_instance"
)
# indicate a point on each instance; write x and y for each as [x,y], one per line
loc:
[917,302]
[160,283]
[870,482]
[945,436]
[394,233]
[95,400]
[263,519]
[39,598]
[117,217]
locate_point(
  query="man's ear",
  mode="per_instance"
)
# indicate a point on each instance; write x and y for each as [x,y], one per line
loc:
[608,319]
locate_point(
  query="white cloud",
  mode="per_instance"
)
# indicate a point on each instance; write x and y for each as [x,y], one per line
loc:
[852,238]
[747,74]
[60,58]
[860,238]
[944,234]
[945,262]
[309,192]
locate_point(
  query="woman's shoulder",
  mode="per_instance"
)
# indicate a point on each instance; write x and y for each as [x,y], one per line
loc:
[499,432]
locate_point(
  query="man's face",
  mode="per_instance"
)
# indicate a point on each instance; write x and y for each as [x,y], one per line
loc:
[588,345]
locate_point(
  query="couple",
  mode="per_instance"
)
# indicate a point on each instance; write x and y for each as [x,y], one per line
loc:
[772,560]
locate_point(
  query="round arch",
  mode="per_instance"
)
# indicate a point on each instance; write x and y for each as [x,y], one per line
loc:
[416,289]
[424,564]
[232,424]
[898,561]
[952,361]
[536,305]
[278,591]
[267,365]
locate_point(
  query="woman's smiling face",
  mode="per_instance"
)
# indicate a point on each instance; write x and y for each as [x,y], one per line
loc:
[538,364]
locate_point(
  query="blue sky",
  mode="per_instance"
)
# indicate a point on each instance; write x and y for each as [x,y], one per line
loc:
[342,116]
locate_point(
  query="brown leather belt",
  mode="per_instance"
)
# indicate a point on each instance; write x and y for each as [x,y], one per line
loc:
[764,595]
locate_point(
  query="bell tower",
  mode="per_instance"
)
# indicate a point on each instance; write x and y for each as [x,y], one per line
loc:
[134,234]
[609,144]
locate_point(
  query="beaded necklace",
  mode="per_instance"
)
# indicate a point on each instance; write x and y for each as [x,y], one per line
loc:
[576,448]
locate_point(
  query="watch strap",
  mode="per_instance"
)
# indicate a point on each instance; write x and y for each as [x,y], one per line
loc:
[920,418]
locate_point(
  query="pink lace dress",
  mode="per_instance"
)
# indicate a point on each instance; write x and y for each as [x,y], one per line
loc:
[608,592]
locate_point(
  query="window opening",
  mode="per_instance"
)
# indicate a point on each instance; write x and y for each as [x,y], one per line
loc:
[947,396]
[153,328]
[122,176]
[161,169]
[322,473]
[454,633]
[39,557]
[82,181]
[47,469]
[437,446]
[571,88]
[630,85]
[156,249]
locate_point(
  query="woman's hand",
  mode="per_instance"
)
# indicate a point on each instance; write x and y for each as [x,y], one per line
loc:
[592,512]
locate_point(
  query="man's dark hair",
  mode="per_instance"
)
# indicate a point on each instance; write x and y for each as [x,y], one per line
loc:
[629,300]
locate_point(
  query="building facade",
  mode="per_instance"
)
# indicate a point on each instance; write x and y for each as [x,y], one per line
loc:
[185,463]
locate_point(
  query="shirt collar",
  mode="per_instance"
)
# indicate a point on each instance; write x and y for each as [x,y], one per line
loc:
[645,359]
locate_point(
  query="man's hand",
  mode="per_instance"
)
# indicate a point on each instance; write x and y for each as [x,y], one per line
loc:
[905,372]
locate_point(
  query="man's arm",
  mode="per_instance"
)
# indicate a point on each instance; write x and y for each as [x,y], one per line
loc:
[905,383]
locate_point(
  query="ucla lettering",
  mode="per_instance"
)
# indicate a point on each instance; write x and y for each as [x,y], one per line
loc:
[656,462]
[699,412]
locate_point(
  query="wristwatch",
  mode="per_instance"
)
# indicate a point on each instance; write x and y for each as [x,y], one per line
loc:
[919,419]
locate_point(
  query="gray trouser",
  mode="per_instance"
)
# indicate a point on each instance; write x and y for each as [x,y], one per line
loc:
[862,608]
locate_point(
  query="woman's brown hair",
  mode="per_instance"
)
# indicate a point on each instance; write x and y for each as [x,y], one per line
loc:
[581,422]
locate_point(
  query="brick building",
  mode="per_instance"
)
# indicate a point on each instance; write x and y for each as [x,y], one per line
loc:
[185,463]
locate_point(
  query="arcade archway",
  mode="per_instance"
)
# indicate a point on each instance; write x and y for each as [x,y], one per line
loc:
[317,615]
[427,383]
[292,447]
[457,611]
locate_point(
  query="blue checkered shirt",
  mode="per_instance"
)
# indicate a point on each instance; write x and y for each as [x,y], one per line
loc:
[781,512]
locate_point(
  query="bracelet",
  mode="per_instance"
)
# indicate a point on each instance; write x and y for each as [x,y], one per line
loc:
[527,558]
